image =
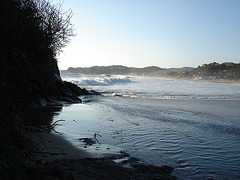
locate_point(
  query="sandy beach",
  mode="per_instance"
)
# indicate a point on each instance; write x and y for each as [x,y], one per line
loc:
[59,159]
[217,81]
[55,146]
[227,81]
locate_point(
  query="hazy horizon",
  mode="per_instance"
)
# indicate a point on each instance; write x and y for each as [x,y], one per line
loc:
[145,66]
[127,66]
[152,33]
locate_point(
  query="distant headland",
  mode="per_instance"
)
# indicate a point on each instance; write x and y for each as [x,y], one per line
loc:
[213,71]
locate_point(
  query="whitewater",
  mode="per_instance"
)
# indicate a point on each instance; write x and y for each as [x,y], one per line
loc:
[189,125]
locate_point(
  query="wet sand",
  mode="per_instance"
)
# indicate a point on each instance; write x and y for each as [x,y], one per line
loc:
[223,109]
[55,147]
[59,159]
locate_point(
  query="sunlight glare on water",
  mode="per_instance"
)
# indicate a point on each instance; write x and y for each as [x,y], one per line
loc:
[191,126]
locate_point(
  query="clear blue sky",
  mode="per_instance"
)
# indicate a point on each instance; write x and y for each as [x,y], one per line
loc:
[164,33]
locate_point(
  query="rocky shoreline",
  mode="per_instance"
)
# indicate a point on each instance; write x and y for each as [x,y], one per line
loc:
[68,165]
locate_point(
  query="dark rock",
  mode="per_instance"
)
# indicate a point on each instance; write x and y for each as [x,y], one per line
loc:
[70,100]
[75,89]
[92,92]
[88,141]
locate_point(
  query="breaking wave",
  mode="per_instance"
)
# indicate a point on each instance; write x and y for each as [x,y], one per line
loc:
[103,80]
[156,96]
[154,88]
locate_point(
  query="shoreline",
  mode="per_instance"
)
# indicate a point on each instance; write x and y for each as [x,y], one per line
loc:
[55,147]
[59,159]
[226,81]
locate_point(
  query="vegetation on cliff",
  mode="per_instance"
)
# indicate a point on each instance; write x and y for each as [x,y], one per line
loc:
[215,70]
[32,33]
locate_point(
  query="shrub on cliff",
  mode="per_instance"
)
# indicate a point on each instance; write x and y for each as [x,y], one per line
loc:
[32,33]
[34,23]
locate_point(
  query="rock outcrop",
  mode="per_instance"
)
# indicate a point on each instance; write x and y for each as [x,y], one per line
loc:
[32,33]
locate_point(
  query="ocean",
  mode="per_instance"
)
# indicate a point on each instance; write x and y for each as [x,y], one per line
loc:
[193,126]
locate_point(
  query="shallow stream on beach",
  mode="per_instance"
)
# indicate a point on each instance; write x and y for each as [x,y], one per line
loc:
[197,134]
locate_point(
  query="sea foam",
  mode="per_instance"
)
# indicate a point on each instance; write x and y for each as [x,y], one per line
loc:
[102,80]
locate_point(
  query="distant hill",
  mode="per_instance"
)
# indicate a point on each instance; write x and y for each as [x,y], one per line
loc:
[227,70]
[211,71]
[124,70]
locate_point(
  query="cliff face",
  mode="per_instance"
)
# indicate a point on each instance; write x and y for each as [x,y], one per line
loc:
[32,32]
[29,42]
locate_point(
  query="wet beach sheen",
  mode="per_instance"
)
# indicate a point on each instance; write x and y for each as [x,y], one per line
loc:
[199,137]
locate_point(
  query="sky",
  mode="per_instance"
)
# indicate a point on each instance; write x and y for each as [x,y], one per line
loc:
[140,33]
